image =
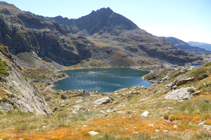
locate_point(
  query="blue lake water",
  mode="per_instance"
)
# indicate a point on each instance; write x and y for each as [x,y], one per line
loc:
[102,79]
[196,65]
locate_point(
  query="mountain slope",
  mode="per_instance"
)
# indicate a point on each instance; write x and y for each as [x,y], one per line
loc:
[103,19]
[15,91]
[24,32]
[111,40]
[108,29]
[200,44]
[185,46]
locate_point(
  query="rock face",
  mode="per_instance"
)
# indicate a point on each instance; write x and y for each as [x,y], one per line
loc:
[179,94]
[19,93]
[25,32]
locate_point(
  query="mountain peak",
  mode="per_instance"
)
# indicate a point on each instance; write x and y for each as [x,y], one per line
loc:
[10,7]
[99,21]
[105,9]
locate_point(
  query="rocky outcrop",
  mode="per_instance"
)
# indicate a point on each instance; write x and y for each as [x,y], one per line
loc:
[179,81]
[20,94]
[179,94]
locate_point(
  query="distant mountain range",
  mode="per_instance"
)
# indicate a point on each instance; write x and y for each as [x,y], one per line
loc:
[101,38]
[200,44]
[190,48]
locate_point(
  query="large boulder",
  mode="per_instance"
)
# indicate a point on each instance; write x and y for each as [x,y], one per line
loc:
[179,94]
[103,100]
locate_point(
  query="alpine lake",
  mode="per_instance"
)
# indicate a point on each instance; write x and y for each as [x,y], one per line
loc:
[102,79]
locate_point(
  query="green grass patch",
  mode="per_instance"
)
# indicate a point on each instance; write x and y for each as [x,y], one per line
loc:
[3,69]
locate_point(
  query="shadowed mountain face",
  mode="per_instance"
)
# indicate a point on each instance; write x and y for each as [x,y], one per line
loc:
[185,46]
[103,36]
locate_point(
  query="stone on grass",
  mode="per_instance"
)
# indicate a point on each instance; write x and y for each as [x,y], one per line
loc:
[103,113]
[165,130]
[207,127]
[120,112]
[170,108]
[145,114]
[103,100]
[93,133]
[205,102]
[151,125]
[144,99]
[109,111]
[79,101]
[201,123]
[77,108]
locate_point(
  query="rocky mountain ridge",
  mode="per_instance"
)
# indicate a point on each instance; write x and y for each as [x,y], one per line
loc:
[111,40]
[121,34]
[102,20]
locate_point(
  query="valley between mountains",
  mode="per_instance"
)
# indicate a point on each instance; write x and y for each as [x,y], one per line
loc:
[35,49]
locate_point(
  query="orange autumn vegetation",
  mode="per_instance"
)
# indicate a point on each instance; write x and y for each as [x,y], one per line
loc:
[143,107]
[184,119]
[124,126]
[205,94]
[208,122]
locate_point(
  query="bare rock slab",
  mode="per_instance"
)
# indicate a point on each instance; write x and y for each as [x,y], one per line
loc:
[179,94]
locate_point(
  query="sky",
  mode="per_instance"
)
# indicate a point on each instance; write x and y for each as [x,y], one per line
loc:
[188,20]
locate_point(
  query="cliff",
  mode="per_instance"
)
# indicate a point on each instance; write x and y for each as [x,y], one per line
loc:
[15,91]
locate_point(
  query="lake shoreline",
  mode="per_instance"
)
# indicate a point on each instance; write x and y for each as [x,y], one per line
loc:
[136,68]
[107,84]
[52,85]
